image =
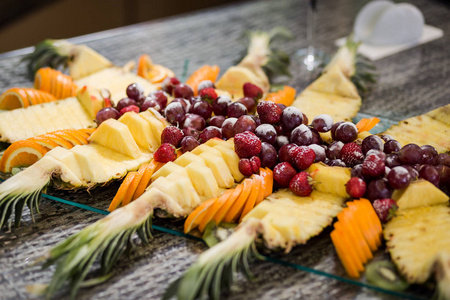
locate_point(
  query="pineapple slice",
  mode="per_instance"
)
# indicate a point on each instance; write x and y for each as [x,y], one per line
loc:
[203,179]
[116,136]
[189,193]
[187,158]
[23,123]
[166,170]
[330,179]
[419,193]
[216,141]
[91,103]
[140,130]
[68,158]
[156,125]
[220,169]
[432,128]
[232,160]
[415,237]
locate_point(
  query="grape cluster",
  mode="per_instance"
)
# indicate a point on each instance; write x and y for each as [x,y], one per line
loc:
[135,101]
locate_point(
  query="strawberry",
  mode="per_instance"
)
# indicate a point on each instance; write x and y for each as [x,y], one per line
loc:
[256,164]
[356,187]
[283,174]
[269,112]
[252,91]
[172,135]
[247,144]
[165,153]
[129,108]
[208,94]
[351,154]
[373,166]
[301,184]
[304,157]
[385,209]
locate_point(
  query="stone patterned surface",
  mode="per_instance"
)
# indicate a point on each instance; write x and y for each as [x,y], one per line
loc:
[410,83]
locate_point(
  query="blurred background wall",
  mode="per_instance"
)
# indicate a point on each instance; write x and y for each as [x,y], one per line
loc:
[23,23]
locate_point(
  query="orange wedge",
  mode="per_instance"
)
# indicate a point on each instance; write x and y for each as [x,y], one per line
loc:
[268,181]
[220,214]
[120,195]
[364,225]
[21,154]
[146,178]
[214,209]
[257,190]
[238,205]
[89,131]
[44,141]
[42,79]
[33,97]
[55,82]
[67,136]
[205,72]
[195,217]
[80,136]
[345,256]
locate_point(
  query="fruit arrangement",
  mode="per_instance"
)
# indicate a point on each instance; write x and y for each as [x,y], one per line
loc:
[224,151]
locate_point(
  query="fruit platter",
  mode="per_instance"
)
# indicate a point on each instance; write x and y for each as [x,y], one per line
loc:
[123,175]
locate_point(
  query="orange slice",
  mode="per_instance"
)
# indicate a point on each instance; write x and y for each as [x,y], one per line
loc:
[44,141]
[285,96]
[238,206]
[341,245]
[146,178]
[59,140]
[14,98]
[205,72]
[67,136]
[134,184]
[154,73]
[54,82]
[254,194]
[268,182]
[120,195]
[220,214]
[33,98]
[363,224]
[21,154]
[374,220]
[80,136]
[347,219]
[42,79]
[87,130]
[214,209]
[194,219]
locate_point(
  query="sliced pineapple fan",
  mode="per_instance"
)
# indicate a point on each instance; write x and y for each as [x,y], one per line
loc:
[115,148]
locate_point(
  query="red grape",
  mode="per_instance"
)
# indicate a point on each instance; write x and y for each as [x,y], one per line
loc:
[217,121]
[183,91]
[428,154]
[283,174]
[124,102]
[281,141]
[244,123]
[189,131]
[135,91]
[346,132]
[249,103]
[169,84]
[284,154]
[291,117]
[194,121]
[105,114]
[205,84]
[160,97]
[391,146]
[188,143]
[220,105]
[266,133]
[399,177]
[175,113]
[209,133]
[150,102]
[372,142]
[236,109]
[429,173]
[302,135]
[378,189]
[322,123]
[227,128]
[319,151]
[410,154]
[334,150]
[356,187]
[268,155]
[203,109]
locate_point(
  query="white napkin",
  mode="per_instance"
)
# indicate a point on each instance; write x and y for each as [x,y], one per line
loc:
[372,52]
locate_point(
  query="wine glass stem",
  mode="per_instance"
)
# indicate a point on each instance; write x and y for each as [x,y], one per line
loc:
[310,26]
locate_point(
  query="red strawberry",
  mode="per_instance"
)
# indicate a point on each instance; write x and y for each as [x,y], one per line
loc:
[301,184]
[165,153]
[283,174]
[172,135]
[385,209]
[304,157]
[351,154]
[269,112]
[373,166]
[247,144]
[208,94]
[356,187]
[129,108]
[256,164]
[252,91]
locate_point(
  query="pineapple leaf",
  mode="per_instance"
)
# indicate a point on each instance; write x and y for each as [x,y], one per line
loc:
[213,277]
[75,256]
[46,54]
[364,76]
[15,203]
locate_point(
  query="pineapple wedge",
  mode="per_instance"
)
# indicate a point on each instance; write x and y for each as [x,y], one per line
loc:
[140,130]
[431,128]
[415,237]
[419,193]
[333,92]
[330,180]
[115,135]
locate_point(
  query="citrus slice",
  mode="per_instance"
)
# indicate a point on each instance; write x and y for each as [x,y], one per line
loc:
[238,206]
[146,178]
[55,82]
[214,209]
[67,136]
[78,135]
[195,217]
[14,98]
[59,140]
[133,185]
[285,96]
[257,190]
[42,79]
[44,141]
[268,181]
[87,130]
[118,198]
[21,154]
[220,214]
[154,73]
[205,72]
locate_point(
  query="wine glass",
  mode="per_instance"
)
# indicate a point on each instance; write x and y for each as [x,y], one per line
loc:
[311,57]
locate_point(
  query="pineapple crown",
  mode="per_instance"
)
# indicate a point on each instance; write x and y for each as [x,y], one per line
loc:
[275,62]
